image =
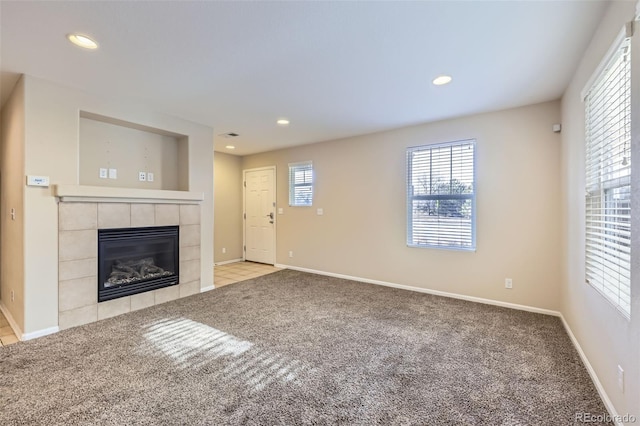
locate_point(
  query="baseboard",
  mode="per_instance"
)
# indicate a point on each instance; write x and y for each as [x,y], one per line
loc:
[40,333]
[18,332]
[12,322]
[227,262]
[427,291]
[592,373]
[208,288]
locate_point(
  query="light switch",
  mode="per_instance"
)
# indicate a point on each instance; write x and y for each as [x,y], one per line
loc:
[149,177]
[113,173]
[280,210]
[320,212]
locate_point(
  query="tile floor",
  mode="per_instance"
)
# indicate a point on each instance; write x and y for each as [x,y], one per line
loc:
[7,336]
[239,271]
[222,275]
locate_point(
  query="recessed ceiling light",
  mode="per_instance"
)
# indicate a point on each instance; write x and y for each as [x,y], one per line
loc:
[230,147]
[82,41]
[442,79]
[283,122]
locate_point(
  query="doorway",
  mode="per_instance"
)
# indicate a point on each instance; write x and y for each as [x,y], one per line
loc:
[259,215]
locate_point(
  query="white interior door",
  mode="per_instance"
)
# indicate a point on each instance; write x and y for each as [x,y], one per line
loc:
[259,207]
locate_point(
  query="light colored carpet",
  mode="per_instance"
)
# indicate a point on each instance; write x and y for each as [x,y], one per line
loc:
[295,348]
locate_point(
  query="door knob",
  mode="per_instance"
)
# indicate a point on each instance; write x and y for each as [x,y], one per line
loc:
[270,215]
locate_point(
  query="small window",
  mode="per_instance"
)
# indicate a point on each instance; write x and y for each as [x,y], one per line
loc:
[608,180]
[301,184]
[441,195]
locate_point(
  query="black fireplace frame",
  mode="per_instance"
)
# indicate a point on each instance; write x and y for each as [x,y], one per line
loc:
[120,234]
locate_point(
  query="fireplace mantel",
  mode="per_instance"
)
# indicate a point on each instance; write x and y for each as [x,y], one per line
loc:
[103,194]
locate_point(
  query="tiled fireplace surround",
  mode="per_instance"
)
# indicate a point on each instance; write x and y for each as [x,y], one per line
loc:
[78,253]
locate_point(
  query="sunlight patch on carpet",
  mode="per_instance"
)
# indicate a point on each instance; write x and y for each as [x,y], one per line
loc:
[190,344]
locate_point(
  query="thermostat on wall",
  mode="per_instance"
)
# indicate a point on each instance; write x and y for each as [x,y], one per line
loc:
[38,180]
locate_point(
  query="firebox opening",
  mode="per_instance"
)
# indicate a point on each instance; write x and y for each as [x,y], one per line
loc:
[135,260]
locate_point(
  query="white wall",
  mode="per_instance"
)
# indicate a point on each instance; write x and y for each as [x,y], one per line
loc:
[12,133]
[129,151]
[228,221]
[607,338]
[52,149]
[360,183]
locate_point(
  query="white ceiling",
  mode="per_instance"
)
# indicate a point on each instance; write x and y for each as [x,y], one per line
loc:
[335,69]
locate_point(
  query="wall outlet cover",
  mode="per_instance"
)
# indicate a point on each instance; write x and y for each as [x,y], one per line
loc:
[113,173]
[150,177]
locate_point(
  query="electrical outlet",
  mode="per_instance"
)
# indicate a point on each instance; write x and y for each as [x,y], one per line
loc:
[113,173]
[621,379]
[104,173]
[508,283]
[13,296]
[290,254]
[142,176]
[149,177]
[224,250]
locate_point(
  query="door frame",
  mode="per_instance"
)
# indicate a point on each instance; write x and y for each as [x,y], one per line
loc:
[244,209]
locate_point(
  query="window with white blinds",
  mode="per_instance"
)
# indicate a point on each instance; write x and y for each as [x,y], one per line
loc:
[301,184]
[608,179]
[441,195]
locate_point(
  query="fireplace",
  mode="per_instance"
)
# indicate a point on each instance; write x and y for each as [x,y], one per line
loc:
[135,260]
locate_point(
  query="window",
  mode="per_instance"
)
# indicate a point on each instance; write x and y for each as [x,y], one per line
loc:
[441,195]
[301,184]
[608,179]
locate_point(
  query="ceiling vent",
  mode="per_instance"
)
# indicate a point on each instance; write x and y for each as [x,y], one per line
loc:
[229,135]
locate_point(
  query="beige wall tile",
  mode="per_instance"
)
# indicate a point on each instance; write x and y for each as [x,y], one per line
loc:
[143,215]
[167,214]
[190,214]
[77,293]
[189,253]
[166,294]
[72,269]
[76,317]
[114,215]
[189,235]
[142,300]
[189,270]
[187,289]
[77,216]
[76,245]
[114,307]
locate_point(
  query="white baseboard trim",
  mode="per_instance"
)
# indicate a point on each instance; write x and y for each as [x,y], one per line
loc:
[18,332]
[227,262]
[592,373]
[208,288]
[12,322]
[40,333]
[426,290]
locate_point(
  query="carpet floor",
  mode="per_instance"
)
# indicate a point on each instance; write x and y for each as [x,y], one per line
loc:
[293,348]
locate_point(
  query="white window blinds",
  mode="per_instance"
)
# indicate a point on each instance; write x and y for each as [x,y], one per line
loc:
[608,179]
[301,184]
[441,195]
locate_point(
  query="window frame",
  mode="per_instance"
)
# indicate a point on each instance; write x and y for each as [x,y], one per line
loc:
[411,197]
[602,187]
[302,166]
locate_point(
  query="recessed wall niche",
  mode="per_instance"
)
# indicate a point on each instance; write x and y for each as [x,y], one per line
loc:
[129,149]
